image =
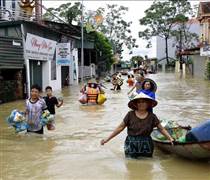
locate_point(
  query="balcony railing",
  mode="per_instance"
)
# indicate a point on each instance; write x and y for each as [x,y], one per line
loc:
[14,14]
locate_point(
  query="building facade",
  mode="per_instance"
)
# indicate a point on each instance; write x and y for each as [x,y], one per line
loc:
[9,9]
[28,49]
[194,27]
[204,18]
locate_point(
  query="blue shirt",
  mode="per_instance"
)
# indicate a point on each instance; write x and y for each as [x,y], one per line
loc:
[202,131]
[147,92]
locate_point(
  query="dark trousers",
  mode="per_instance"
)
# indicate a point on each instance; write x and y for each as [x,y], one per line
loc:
[118,87]
[41,131]
[138,146]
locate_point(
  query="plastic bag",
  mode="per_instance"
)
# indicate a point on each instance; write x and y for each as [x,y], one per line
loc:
[21,126]
[46,118]
[83,99]
[17,120]
[101,99]
[169,124]
[182,139]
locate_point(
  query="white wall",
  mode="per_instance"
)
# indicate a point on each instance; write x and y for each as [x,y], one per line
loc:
[161,49]
[199,66]
[46,76]
[8,6]
[193,28]
[56,84]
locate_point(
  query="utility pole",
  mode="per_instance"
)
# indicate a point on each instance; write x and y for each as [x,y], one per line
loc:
[82,47]
[180,49]
[38,10]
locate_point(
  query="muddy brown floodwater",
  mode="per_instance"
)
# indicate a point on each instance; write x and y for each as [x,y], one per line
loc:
[73,150]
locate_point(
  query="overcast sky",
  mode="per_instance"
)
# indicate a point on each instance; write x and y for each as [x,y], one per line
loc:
[136,12]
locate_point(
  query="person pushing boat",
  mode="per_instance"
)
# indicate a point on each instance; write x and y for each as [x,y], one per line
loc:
[140,123]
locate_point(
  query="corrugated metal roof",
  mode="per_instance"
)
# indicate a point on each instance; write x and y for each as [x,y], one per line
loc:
[11,55]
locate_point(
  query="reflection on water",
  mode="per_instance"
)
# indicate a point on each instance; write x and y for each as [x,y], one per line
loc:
[73,151]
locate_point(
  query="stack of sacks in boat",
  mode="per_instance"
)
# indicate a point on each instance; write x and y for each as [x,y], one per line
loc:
[199,133]
[173,128]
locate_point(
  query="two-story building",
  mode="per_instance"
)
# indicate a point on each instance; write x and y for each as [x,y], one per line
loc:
[192,25]
[203,59]
[33,51]
[28,54]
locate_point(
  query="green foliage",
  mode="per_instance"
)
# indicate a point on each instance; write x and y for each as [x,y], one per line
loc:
[104,50]
[184,39]
[136,60]
[171,64]
[189,61]
[161,17]
[159,20]
[208,70]
[90,19]
[67,12]
[117,29]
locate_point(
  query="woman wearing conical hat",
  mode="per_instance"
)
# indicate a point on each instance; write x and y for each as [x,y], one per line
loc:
[140,123]
[149,87]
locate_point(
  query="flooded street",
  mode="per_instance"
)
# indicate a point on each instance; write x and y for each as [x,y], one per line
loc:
[73,150]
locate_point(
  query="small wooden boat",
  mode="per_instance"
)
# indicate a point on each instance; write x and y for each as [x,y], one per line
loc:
[190,150]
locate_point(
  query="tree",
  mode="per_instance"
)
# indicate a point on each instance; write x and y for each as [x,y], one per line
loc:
[136,60]
[184,39]
[104,50]
[117,29]
[93,19]
[161,18]
[68,13]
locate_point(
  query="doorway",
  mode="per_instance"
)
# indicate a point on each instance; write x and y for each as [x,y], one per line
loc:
[65,75]
[35,72]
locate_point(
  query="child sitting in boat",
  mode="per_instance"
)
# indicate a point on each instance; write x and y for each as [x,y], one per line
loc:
[140,123]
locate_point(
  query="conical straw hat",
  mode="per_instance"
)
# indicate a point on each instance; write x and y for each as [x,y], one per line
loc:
[132,103]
